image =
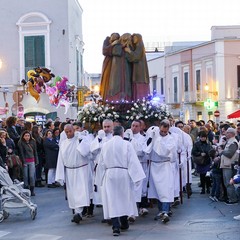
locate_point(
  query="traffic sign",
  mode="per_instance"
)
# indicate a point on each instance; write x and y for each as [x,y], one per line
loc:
[216,113]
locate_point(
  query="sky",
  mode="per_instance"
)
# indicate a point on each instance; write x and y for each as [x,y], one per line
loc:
[156,20]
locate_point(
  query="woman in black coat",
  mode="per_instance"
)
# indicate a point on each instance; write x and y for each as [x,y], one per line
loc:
[51,149]
[202,148]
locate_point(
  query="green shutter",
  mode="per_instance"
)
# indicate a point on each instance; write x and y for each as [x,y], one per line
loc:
[34,52]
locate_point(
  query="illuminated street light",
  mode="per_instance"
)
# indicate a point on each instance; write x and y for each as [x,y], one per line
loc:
[96,88]
[206,88]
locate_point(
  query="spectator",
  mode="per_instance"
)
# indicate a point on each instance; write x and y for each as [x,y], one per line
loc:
[51,149]
[28,154]
[202,148]
[36,134]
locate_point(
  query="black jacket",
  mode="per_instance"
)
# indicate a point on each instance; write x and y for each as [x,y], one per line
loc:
[51,149]
[202,147]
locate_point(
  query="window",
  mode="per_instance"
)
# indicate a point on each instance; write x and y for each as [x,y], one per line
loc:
[34,52]
[34,41]
[186,82]
[162,86]
[198,80]
[154,84]
[175,90]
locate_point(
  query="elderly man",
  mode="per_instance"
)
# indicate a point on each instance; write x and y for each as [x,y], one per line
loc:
[229,156]
[117,175]
[72,168]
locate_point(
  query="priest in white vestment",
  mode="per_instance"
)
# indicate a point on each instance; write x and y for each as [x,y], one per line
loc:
[117,172]
[72,169]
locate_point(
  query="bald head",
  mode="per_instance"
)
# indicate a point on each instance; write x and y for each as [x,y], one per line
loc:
[69,130]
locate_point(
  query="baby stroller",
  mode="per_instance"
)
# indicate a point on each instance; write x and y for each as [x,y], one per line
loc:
[13,198]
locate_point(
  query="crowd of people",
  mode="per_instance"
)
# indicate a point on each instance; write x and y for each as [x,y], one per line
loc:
[124,170]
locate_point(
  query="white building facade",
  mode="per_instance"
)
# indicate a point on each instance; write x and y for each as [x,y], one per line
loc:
[39,33]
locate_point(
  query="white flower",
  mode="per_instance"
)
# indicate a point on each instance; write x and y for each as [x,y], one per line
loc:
[131,117]
[88,112]
[100,109]
[93,112]
[83,121]
[155,115]
[137,117]
[144,109]
[132,108]
[109,114]
[146,117]
[103,115]
[116,116]
[95,119]
[127,117]
[128,111]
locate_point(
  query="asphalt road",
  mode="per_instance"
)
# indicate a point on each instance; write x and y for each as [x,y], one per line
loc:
[198,218]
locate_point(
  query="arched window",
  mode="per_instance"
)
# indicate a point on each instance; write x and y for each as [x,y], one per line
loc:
[34,42]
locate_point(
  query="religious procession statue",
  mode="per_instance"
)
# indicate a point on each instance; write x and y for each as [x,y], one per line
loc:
[125,74]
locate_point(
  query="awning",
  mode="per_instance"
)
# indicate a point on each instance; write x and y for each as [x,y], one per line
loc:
[234,115]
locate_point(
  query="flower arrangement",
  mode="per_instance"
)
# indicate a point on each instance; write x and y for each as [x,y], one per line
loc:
[94,112]
[148,110]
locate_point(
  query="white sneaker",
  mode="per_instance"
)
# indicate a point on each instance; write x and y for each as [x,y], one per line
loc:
[131,219]
[237,217]
[165,218]
[143,212]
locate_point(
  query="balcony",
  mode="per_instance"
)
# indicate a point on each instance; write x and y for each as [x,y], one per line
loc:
[194,96]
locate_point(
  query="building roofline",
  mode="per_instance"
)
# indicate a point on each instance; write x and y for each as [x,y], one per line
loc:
[200,45]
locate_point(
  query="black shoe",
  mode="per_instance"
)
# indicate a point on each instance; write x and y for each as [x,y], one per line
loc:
[231,203]
[124,227]
[116,232]
[51,185]
[208,191]
[165,218]
[77,218]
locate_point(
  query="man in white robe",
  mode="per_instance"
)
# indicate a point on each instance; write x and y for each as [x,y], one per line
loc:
[161,180]
[72,169]
[187,167]
[116,174]
[79,130]
[103,136]
[180,156]
[138,141]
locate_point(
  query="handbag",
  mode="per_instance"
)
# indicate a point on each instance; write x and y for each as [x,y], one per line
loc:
[13,160]
[199,160]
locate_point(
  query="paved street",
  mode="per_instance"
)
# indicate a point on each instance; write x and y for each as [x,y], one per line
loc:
[198,218]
